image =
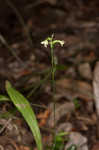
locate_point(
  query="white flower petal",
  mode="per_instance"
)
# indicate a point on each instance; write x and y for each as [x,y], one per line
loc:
[45,43]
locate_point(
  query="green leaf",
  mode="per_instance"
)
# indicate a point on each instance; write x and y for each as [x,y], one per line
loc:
[76,103]
[62,134]
[8,114]
[24,107]
[4,98]
[58,143]
[61,67]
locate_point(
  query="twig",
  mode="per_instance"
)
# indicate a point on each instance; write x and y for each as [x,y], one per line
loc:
[48,129]
[4,42]
[21,20]
[3,128]
[36,105]
[34,4]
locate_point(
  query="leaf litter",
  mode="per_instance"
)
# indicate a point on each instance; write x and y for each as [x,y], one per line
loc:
[75,22]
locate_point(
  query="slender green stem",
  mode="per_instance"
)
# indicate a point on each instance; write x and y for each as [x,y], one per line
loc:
[40,106]
[51,42]
[53,81]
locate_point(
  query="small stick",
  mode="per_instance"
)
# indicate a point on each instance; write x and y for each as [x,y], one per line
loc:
[4,42]
[6,124]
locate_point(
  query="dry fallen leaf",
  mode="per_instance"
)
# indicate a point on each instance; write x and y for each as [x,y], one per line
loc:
[22,147]
[95,146]
[96,87]
[85,71]
[43,117]
[60,111]
[96,93]
[77,139]
[72,89]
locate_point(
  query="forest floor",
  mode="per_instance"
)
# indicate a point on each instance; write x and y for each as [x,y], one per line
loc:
[77,23]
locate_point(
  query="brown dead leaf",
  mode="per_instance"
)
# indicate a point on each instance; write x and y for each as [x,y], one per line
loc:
[42,122]
[96,87]
[85,71]
[64,83]
[71,89]
[96,93]
[60,111]
[22,147]
[86,120]
[95,146]
[77,139]
[90,57]
[19,122]
[24,72]
[43,115]
[84,89]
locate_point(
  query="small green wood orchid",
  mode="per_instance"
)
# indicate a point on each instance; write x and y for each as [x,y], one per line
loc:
[58,143]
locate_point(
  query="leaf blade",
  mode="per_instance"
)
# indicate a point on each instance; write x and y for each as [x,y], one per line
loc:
[24,107]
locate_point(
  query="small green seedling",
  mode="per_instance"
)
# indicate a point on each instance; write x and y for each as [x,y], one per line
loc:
[59,139]
[76,103]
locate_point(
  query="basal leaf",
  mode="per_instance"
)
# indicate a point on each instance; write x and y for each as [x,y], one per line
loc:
[25,109]
[4,98]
